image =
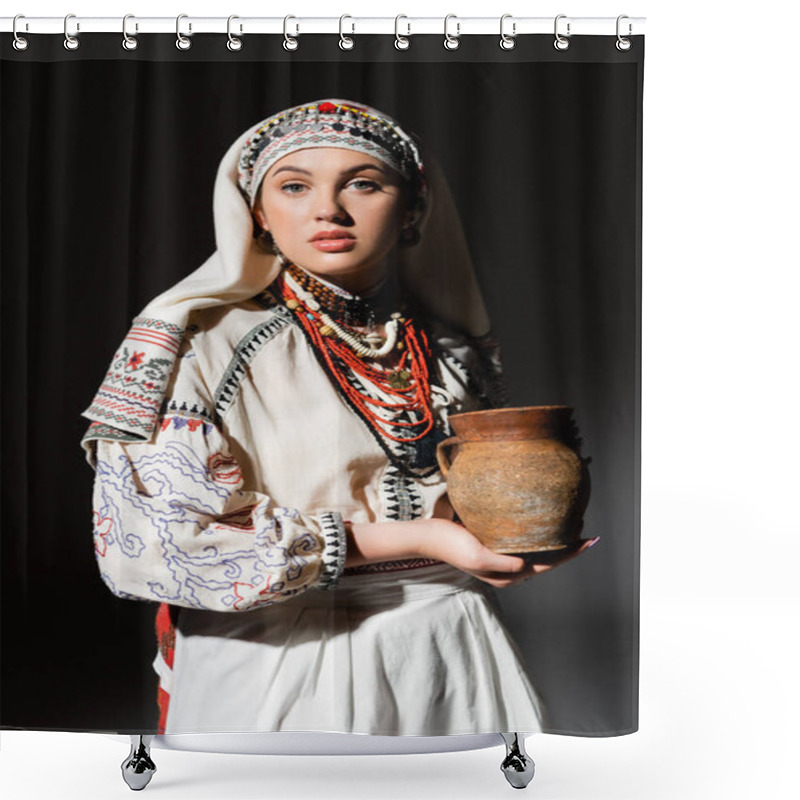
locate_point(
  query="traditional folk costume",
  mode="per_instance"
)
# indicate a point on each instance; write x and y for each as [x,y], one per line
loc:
[246,417]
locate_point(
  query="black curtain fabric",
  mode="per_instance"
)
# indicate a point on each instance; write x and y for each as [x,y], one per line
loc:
[108,162]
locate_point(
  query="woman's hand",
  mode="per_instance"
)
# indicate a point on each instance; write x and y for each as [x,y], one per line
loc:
[451,542]
[446,541]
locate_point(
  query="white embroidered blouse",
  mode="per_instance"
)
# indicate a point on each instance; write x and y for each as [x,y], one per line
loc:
[240,496]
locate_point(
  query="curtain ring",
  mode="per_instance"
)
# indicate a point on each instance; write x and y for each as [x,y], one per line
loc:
[451,42]
[401,42]
[507,42]
[289,42]
[71,42]
[129,42]
[20,42]
[182,42]
[561,42]
[622,43]
[233,43]
[346,42]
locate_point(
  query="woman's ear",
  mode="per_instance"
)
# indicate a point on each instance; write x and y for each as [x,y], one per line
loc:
[260,219]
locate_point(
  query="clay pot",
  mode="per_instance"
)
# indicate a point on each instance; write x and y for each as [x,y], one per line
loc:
[513,478]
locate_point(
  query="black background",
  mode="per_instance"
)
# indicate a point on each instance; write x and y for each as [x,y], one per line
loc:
[108,163]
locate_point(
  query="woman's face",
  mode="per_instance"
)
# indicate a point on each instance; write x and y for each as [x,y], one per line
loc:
[335,212]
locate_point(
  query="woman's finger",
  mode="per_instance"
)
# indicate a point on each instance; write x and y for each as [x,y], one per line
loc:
[567,556]
[499,563]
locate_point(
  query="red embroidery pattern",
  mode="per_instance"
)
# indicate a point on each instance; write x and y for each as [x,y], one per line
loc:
[192,423]
[240,598]
[102,527]
[165,636]
[224,469]
[135,360]
[241,520]
[151,336]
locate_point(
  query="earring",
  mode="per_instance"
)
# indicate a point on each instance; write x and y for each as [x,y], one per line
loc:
[409,235]
[265,240]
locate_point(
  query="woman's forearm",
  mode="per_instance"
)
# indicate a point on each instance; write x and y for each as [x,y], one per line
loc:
[371,542]
[442,539]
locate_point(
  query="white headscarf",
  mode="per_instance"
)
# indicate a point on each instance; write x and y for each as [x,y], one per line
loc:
[437,271]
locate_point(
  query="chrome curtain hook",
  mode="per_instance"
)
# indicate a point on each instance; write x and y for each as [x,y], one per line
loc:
[182,42]
[507,42]
[451,42]
[622,43]
[71,42]
[289,42]
[401,42]
[129,42]
[234,43]
[561,42]
[20,42]
[346,42]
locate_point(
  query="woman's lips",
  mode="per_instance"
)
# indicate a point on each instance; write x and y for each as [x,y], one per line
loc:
[334,245]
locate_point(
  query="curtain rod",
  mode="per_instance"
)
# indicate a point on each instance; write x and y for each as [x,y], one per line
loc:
[294,25]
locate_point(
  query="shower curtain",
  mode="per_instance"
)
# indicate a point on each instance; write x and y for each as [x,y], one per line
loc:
[109,160]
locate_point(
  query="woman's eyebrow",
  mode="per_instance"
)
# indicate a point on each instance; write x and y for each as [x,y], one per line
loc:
[344,172]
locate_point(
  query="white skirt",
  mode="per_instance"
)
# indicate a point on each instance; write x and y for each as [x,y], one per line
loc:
[420,652]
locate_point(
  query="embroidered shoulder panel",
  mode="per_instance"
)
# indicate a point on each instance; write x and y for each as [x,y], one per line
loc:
[130,396]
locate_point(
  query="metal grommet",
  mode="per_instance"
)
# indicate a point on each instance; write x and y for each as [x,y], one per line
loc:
[346,42]
[234,44]
[129,42]
[182,42]
[561,42]
[622,43]
[451,42]
[289,42]
[71,42]
[401,42]
[20,42]
[507,42]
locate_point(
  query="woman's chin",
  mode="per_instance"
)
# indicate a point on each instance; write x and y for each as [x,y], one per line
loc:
[342,269]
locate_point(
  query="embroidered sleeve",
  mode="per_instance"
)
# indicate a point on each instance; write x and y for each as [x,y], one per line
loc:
[173,522]
[477,363]
[490,378]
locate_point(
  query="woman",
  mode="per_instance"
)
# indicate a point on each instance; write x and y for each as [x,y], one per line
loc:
[268,429]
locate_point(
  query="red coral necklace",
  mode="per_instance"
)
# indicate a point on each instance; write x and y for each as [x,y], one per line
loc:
[398,408]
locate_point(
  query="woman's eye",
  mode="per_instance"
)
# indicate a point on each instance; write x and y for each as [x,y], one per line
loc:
[365,183]
[292,188]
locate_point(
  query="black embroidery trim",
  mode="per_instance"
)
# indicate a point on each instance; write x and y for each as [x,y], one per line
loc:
[335,550]
[403,499]
[190,409]
[246,351]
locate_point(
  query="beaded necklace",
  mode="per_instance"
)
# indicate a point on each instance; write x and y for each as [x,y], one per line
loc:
[352,310]
[394,402]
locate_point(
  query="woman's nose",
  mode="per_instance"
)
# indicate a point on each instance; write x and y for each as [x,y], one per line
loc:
[330,208]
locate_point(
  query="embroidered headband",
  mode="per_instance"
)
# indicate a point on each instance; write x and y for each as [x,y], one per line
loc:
[330,123]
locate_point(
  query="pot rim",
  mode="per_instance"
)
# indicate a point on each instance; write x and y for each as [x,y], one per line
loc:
[518,409]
